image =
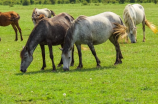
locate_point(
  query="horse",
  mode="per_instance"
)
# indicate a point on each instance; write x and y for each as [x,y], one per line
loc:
[11,17]
[49,31]
[134,15]
[92,31]
[37,12]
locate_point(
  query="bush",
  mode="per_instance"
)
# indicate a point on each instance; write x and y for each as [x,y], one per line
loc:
[25,2]
[84,2]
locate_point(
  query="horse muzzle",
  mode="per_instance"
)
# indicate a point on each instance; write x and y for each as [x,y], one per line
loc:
[23,70]
[66,69]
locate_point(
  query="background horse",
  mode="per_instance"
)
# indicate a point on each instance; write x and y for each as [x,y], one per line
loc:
[134,15]
[93,30]
[49,31]
[38,12]
[7,18]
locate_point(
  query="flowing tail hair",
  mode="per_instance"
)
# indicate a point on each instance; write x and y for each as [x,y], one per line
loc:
[151,26]
[120,30]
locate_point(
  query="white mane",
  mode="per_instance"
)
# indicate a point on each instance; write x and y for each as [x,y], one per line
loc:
[128,16]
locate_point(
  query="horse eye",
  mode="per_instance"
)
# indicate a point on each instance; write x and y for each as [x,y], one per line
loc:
[69,57]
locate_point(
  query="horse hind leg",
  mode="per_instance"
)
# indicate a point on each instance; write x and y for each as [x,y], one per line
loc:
[94,53]
[143,25]
[51,56]
[119,56]
[17,25]
[15,29]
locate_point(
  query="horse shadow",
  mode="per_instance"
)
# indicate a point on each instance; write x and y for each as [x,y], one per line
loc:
[60,70]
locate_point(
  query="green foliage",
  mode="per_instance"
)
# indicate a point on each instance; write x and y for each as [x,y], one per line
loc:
[52,1]
[132,1]
[25,2]
[84,2]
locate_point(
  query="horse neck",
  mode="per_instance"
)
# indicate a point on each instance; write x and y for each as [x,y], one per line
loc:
[33,41]
[129,18]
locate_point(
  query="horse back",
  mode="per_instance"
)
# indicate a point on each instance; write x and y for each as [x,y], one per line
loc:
[7,18]
[56,27]
[140,13]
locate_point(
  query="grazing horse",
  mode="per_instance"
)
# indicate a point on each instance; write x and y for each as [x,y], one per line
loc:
[92,31]
[7,18]
[49,31]
[134,15]
[38,12]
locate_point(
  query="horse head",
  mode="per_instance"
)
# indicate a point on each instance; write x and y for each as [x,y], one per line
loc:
[26,59]
[133,34]
[67,58]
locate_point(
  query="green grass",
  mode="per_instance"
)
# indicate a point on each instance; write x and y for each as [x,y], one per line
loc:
[133,81]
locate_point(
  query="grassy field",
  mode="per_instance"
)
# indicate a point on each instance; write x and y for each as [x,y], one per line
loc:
[133,81]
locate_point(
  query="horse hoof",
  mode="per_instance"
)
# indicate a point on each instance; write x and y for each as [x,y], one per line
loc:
[16,39]
[54,70]
[59,65]
[98,66]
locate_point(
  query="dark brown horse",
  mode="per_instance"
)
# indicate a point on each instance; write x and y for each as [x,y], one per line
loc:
[49,31]
[12,18]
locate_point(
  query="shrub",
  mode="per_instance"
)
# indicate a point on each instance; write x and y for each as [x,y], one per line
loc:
[25,2]
[84,2]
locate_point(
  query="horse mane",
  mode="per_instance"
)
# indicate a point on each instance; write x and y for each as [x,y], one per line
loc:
[127,16]
[69,33]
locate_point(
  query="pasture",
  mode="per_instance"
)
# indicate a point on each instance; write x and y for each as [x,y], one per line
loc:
[133,81]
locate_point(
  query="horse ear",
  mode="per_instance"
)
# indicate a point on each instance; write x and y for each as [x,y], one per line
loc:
[61,49]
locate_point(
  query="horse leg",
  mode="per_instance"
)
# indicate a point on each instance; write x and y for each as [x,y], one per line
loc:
[143,24]
[72,62]
[16,36]
[61,61]
[80,56]
[94,53]
[51,56]
[43,56]
[17,25]
[119,56]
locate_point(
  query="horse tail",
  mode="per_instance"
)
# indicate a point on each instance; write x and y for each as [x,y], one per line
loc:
[151,26]
[120,30]
[52,13]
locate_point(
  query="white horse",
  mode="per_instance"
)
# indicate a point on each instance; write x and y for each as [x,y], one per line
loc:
[93,30]
[37,12]
[134,15]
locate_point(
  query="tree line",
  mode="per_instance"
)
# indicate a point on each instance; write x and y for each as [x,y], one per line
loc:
[31,2]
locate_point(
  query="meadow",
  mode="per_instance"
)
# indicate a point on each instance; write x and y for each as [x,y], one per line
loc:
[134,81]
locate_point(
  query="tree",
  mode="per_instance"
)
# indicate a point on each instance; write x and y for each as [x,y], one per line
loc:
[52,1]
[121,1]
[132,1]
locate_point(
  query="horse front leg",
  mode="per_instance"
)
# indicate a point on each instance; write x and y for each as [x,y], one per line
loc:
[16,36]
[143,25]
[51,56]
[43,56]
[94,53]
[80,56]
